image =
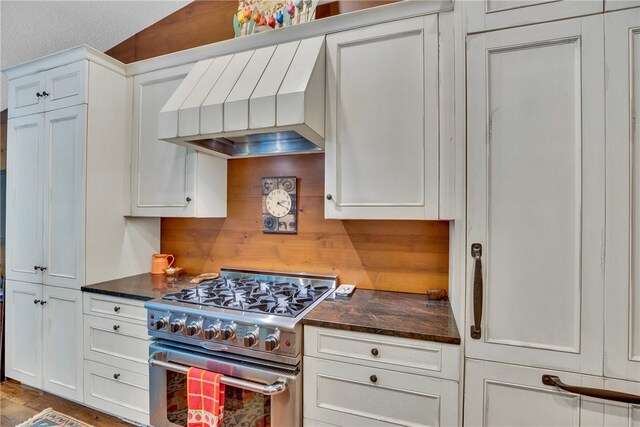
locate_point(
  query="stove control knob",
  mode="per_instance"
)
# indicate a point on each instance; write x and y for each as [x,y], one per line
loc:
[271,343]
[162,323]
[251,338]
[176,326]
[193,329]
[228,332]
[212,332]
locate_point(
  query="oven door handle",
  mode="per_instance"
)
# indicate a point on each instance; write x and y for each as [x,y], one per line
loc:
[268,390]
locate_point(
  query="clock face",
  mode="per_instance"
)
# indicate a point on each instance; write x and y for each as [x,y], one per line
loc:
[278,203]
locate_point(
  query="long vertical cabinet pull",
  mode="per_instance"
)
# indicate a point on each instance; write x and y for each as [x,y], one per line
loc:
[476,253]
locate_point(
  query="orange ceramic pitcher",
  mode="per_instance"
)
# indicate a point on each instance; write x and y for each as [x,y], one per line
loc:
[160,262]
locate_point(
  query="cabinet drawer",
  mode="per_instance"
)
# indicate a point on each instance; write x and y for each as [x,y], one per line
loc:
[115,308]
[402,354]
[352,395]
[116,343]
[126,396]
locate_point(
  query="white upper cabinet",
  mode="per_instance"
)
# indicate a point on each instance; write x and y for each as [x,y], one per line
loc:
[382,129]
[49,90]
[169,180]
[25,95]
[485,15]
[535,195]
[65,185]
[622,279]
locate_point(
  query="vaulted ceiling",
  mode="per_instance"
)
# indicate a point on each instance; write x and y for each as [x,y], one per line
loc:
[31,29]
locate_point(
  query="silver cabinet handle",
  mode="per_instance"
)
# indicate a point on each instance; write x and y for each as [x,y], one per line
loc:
[268,390]
[616,396]
[476,253]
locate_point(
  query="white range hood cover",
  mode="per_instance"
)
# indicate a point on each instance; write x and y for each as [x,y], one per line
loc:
[261,102]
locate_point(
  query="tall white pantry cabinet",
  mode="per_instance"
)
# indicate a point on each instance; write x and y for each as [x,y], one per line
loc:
[552,227]
[66,151]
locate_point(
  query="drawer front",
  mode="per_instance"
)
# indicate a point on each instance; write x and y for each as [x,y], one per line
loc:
[385,352]
[126,396]
[352,395]
[115,308]
[66,85]
[116,343]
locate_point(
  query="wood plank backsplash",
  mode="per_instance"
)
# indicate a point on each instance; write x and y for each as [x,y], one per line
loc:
[406,256]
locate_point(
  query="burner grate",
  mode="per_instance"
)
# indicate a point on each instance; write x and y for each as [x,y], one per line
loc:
[280,298]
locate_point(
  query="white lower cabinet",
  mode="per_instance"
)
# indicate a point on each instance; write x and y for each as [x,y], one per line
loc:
[116,343]
[356,387]
[62,342]
[117,391]
[498,394]
[44,338]
[621,414]
[116,350]
[24,332]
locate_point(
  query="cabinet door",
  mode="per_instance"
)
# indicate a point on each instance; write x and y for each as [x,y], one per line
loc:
[484,15]
[25,95]
[496,394]
[66,86]
[381,147]
[535,194]
[622,277]
[620,414]
[163,173]
[62,342]
[24,332]
[26,159]
[64,202]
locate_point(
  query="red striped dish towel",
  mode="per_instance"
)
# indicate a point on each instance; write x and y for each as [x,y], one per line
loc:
[205,398]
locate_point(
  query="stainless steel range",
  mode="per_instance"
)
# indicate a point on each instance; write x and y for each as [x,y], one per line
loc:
[245,325]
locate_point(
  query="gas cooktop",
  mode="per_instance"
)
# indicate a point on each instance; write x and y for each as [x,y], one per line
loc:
[281,296]
[246,312]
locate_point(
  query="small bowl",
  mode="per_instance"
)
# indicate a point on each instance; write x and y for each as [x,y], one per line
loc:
[173,271]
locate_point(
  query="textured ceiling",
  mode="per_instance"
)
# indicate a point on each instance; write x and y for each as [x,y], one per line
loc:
[31,29]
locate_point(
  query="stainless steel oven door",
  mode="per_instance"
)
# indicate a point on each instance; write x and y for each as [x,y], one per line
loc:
[257,393]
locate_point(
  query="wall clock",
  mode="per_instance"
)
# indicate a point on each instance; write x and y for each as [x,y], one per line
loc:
[279,205]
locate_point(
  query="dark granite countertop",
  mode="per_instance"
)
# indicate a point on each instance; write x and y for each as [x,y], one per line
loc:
[388,313]
[375,312]
[143,287]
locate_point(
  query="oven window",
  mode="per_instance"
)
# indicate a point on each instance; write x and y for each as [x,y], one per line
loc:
[242,408]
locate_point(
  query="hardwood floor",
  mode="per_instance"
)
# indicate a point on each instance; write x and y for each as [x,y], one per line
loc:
[18,403]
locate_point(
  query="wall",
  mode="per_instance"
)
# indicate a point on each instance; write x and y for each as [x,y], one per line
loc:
[3,166]
[406,256]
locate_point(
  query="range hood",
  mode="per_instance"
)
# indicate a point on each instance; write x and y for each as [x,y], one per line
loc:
[268,101]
